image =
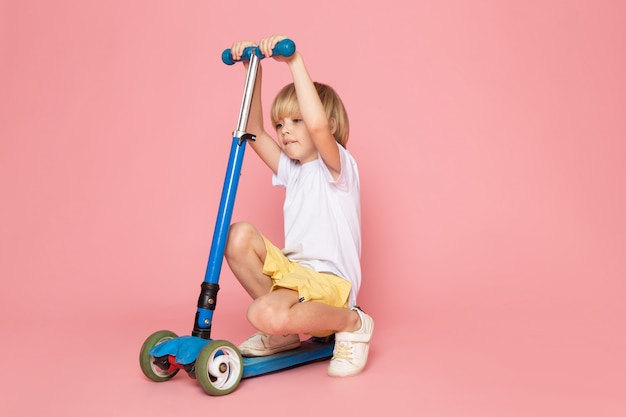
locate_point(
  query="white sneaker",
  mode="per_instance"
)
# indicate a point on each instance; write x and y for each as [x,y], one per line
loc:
[261,344]
[351,348]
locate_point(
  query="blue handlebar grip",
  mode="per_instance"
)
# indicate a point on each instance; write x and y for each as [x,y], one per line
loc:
[286,47]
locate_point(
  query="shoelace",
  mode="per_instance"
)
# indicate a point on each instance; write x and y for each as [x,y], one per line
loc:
[343,350]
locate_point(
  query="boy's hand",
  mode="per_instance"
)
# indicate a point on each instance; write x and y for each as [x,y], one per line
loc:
[236,50]
[267,44]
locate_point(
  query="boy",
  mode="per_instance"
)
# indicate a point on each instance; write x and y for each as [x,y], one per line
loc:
[311,285]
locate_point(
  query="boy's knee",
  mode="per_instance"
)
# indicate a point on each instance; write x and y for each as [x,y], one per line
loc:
[266,318]
[240,236]
[258,315]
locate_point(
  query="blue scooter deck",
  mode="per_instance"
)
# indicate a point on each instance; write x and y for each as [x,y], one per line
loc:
[187,348]
[310,350]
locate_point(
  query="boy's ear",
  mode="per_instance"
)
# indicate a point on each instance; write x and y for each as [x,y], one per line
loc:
[333,125]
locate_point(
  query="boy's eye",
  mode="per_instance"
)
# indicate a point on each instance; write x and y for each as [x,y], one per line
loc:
[297,120]
[278,125]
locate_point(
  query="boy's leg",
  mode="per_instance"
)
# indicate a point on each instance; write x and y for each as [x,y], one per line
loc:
[280,312]
[245,254]
[280,317]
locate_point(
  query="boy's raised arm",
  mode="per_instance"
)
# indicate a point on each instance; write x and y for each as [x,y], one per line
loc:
[311,108]
[264,145]
[314,115]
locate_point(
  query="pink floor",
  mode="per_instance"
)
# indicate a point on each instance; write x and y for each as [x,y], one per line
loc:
[431,366]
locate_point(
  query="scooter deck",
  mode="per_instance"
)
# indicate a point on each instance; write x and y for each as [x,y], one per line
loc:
[187,348]
[310,350]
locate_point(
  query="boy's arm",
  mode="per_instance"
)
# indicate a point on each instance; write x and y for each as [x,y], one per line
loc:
[311,108]
[264,145]
[314,115]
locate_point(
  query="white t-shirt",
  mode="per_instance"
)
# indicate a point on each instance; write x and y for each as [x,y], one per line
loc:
[323,216]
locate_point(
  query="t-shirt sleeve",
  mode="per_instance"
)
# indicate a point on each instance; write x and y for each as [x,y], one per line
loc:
[284,167]
[349,173]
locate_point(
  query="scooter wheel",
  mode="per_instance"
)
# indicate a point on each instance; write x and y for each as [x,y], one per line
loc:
[219,367]
[147,361]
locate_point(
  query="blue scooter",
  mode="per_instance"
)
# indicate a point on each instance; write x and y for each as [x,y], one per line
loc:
[217,364]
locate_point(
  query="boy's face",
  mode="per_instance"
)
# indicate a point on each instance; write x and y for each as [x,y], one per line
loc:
[295,140]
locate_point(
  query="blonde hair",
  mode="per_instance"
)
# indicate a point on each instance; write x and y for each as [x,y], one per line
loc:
[286,105]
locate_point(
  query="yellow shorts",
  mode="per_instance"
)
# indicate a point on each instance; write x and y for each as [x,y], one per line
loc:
[310,285]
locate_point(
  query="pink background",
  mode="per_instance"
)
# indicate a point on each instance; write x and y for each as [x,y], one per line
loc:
[491,141]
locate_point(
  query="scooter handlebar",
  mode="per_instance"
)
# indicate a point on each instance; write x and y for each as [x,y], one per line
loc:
[286,48]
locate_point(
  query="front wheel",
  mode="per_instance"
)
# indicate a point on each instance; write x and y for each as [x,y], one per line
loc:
[219,367]
[149,364]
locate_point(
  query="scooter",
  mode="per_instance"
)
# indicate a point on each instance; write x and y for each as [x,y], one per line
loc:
[218,364]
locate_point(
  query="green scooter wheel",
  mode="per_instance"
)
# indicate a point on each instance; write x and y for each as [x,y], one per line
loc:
[147,361]
[219,367]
